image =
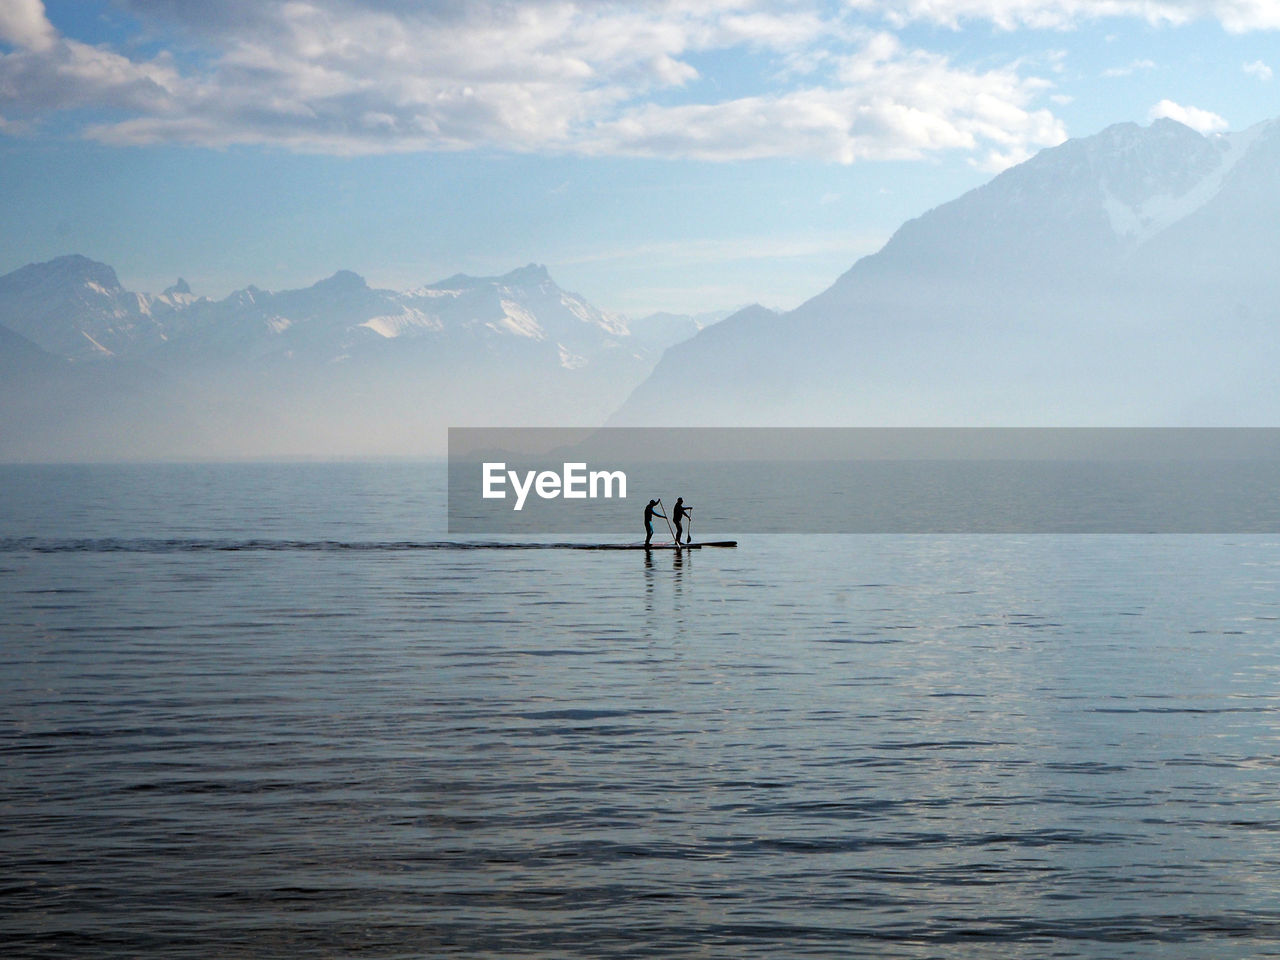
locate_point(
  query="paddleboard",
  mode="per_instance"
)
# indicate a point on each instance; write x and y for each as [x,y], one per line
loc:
[655,546]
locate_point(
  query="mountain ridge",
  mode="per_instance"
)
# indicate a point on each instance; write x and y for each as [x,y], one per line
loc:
[71,296]
[1125,278]
[1019,302]
[334,367]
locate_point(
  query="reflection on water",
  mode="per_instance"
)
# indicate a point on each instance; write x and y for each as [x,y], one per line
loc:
[808,747]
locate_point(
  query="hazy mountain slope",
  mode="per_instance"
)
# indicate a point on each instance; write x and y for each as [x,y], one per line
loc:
[73,307]
[716,366]
[1091,284]
[658,331]
[337,368]
[1224,247]
[53,407]
[20,357]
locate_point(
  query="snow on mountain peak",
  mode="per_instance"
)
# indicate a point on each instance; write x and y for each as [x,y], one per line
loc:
[615,324]
[570,360]
[516,319]
[1162,175]
[75,307]
[390,326]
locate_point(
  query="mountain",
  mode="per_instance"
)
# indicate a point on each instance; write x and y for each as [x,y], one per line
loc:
[19,356]
[335,368]
[1119,279]
[658,331]
[74,307]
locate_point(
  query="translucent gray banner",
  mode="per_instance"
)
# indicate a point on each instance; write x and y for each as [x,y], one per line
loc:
[532,481]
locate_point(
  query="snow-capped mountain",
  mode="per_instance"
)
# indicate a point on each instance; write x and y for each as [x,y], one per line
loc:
[1151,179]
[336,367]
[74,307]
[1122,279]
[1126,278]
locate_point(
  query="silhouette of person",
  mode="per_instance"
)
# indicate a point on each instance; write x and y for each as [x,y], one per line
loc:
[649,512]
[678,515]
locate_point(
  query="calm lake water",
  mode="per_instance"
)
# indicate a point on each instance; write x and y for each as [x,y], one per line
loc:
[243,715]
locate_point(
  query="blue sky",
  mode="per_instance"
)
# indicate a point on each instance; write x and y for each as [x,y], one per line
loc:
[654,155]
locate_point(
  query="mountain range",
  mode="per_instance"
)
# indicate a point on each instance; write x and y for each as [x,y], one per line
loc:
[1123,279]
[91,369]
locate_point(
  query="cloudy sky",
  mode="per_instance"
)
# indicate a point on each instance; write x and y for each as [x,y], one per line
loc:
[655,155]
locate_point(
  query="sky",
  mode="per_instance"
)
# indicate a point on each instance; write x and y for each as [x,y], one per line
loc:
[663,155]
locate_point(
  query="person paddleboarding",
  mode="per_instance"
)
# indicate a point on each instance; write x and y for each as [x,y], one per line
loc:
[678,514]
[649,512]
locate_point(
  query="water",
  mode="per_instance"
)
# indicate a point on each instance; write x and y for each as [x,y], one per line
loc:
[241,715]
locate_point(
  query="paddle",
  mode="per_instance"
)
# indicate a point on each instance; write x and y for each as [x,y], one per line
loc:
[664,517]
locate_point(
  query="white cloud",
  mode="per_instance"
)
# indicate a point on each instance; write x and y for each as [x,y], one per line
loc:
[23,24]
[368,76]
[68,74]
[888,103]
[1203,121]
[1258,69]
[1236,16]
